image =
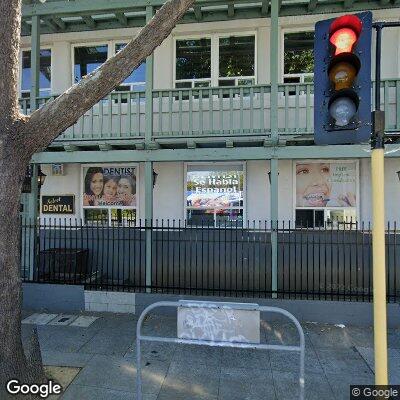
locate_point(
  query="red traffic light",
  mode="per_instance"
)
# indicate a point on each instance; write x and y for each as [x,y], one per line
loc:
[344,32]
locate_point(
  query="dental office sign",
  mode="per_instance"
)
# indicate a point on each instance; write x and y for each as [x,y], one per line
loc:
[214,189]
[326,184]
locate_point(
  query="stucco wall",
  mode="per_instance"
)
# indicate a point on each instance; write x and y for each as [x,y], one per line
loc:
[164,55]
[170,186]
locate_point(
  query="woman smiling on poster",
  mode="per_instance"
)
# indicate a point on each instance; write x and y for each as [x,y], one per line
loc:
[94,184]
[314,187]
[110,191]
[126,191]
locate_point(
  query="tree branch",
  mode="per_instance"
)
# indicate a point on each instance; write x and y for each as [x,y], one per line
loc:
[45,124]
[10,28]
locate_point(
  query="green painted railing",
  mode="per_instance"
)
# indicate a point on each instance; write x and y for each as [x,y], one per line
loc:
[210,112]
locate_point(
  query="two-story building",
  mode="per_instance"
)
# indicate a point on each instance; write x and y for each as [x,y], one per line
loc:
[214,129]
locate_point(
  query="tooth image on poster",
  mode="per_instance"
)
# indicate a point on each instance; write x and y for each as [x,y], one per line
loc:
[326,184]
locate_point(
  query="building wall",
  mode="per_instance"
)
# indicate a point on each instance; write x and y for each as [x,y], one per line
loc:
[170,186]
[164,55]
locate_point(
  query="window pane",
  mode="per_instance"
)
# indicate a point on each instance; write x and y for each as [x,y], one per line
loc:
[236,56]
[226,82]
[87,59]
[193,59]
[139,74]
[124,217]
[44,74]
[229,217]
[202,84]
[200,217]
[298,56]
[304,218]
[99,216]
[183,85]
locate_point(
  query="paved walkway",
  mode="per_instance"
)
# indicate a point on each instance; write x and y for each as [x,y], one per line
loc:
[335,358]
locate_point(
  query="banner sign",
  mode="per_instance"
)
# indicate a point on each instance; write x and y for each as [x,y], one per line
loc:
[214,189]
[331,184]
[58,204]
[107,187]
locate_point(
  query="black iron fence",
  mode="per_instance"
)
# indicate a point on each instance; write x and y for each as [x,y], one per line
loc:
[329,263]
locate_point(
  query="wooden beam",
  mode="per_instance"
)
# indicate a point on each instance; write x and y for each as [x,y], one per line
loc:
[121,17]
[312,5]
[213,154]
[69,147]
[60,23]
[348,4]
[197,12]
[89,21]
[231,10]
[191,144]
[105,147]
[25,28]
[53,27]
[265,7]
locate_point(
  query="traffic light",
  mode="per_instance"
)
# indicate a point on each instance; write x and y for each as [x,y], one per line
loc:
[342,79]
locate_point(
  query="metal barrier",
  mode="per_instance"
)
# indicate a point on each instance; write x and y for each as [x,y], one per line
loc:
[218,337]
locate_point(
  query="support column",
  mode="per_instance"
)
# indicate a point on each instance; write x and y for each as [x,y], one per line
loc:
[149,86]
[148,211]
[35,62]
[274,64]
[274,225]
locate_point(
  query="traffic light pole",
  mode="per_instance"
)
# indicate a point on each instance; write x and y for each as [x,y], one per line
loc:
[378,219]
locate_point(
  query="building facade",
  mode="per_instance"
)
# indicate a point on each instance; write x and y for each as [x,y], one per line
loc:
[214,129]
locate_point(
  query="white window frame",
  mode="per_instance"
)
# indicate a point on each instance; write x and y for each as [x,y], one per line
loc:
[214,78]
[82,191]
[301,76]
[20,91]
[214,166]
[111,44]
[325,209]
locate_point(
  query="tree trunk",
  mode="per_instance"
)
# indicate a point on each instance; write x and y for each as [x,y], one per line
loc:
[14,363]
[21,137]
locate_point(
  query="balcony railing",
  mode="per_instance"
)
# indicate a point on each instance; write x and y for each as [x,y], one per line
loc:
[210,112]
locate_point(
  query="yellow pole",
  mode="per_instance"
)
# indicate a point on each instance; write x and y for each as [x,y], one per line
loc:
[379,272]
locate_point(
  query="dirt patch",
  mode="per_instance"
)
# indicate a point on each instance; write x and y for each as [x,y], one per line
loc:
[62,375]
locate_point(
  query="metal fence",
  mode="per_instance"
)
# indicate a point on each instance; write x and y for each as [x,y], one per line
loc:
[327,263]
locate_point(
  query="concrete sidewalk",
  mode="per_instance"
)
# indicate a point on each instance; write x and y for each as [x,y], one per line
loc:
[105,351]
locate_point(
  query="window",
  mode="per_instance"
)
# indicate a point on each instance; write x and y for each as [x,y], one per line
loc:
[44,73]
[326,192]
[298,57]
[236,60]
[232,61]
[109,194]
[214,195]
[137,79]
[87,59]
[193,63]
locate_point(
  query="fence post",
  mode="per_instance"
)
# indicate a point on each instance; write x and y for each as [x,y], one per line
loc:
[148,185]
